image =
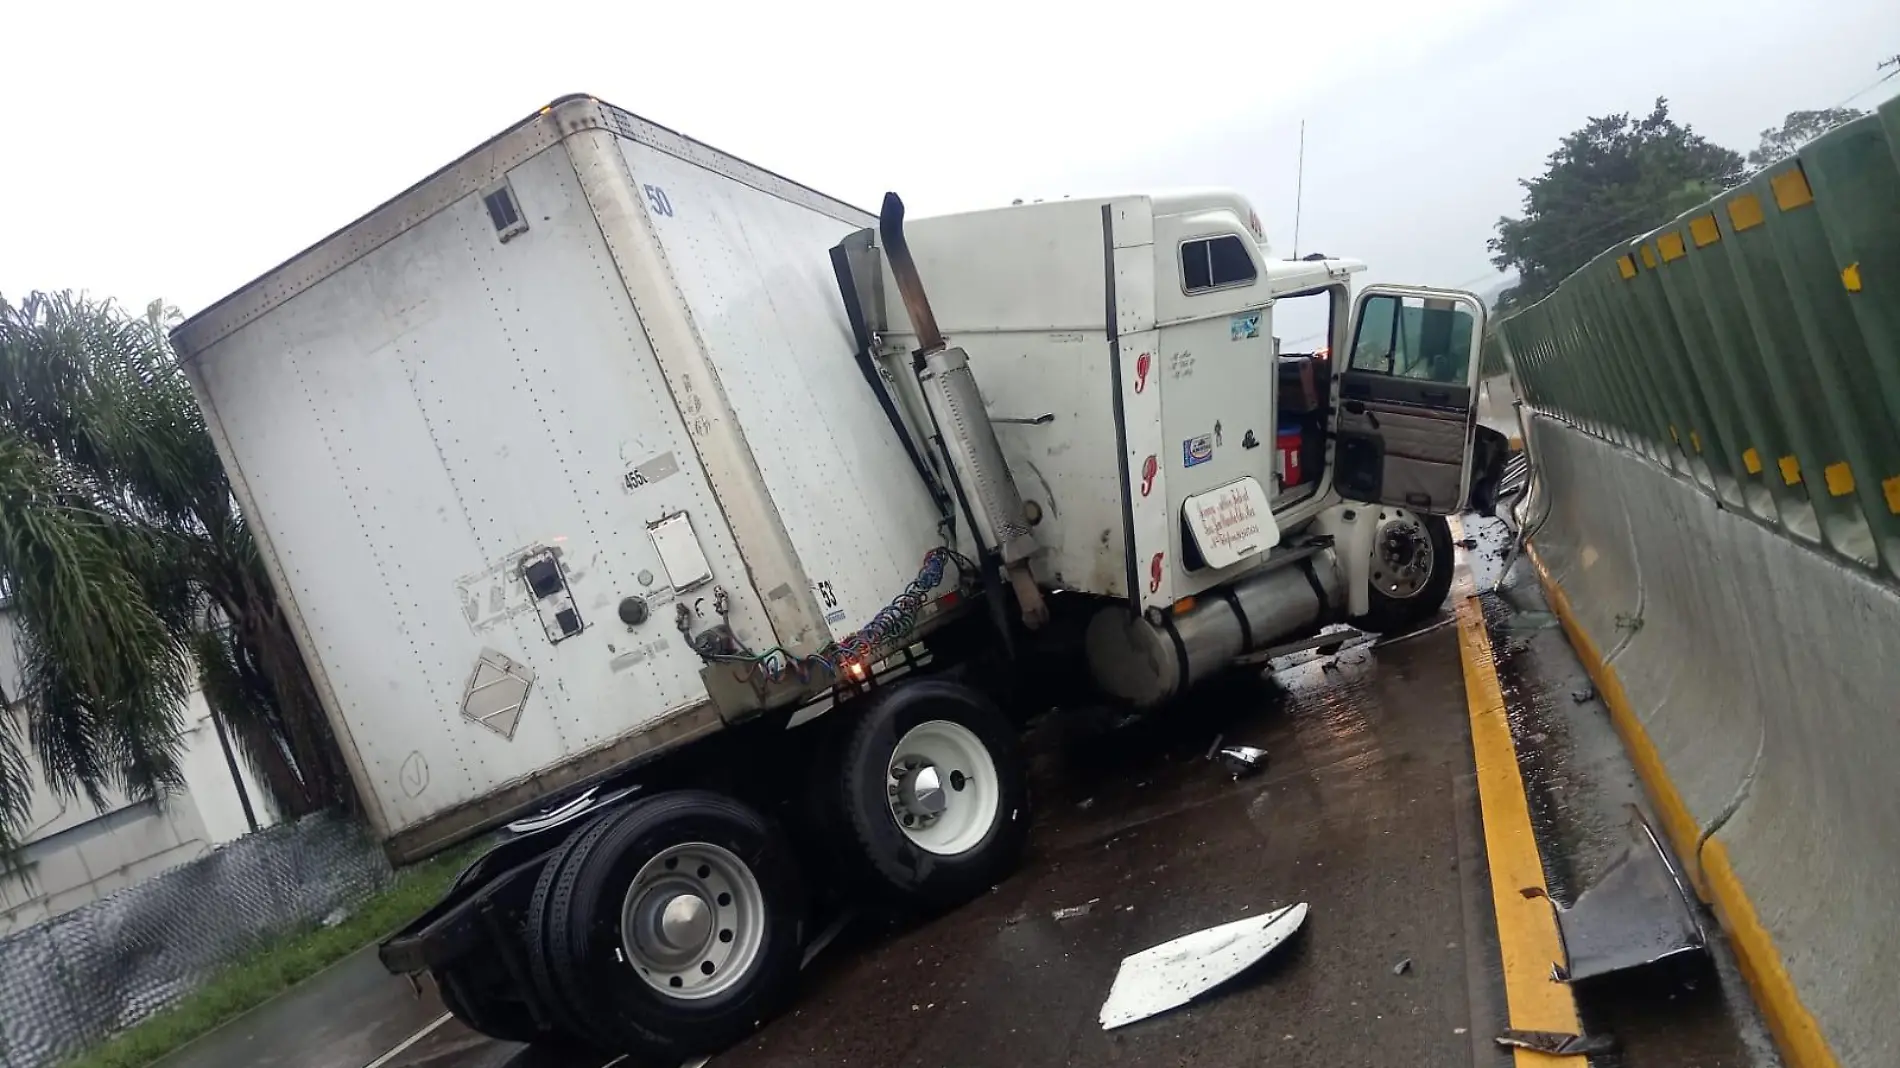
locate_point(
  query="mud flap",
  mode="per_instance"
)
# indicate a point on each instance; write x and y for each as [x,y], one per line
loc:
[1489,452]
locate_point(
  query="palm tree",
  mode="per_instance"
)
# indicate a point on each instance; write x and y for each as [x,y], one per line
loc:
[132,575]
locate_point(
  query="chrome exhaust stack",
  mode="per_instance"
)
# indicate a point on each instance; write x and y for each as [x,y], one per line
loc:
[964,434]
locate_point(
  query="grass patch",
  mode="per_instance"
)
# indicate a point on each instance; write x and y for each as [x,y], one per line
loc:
[277,966]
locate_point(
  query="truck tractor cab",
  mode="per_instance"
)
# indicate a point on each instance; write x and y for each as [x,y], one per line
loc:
[1209,495]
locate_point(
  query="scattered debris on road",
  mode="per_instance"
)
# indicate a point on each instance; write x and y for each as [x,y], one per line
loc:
[1468,543]
[1445,620]
[1402,967]
[1585,694]
[1638,913]
[1244,760]
[1074,911]
[1557,1043]
[1174,973]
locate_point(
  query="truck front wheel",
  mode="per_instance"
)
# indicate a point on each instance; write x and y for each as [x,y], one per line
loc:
[1410,570]
[674,928]
[931,802]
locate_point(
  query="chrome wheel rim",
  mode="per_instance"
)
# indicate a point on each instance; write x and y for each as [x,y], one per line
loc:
[1402,555]
[692,923]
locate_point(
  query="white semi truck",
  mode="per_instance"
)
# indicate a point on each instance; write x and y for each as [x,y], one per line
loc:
[713,530]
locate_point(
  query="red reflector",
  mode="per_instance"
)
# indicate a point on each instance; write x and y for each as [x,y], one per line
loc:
[949,600]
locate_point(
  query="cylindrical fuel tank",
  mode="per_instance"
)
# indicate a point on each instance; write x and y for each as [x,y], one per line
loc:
[1146,663]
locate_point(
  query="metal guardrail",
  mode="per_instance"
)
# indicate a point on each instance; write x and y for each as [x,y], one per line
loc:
[1753,344]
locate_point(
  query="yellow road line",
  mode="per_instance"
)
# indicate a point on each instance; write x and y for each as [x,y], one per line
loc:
[1527,929]
[1795,1029]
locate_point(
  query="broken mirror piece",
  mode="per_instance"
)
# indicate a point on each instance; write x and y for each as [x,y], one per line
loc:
[1174,973]
[1638,913]
[1243,760]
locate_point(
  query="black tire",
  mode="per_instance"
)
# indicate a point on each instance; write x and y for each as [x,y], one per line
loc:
[598,978]
[541,965]
[870,839]
[509,1021]
[1390,614]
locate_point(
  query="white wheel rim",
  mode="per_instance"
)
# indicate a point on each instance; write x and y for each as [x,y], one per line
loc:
[693,921]
[1400,575]
[942,786]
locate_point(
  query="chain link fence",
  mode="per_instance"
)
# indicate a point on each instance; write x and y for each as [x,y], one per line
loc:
[78,978]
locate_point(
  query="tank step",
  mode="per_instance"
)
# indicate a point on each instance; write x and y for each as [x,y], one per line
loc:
[1345,637]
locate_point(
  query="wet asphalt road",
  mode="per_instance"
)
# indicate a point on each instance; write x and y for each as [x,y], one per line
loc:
[1367,812]
[1356,816]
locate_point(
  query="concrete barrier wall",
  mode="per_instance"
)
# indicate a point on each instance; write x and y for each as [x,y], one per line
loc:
[1754,680]
[1497,405]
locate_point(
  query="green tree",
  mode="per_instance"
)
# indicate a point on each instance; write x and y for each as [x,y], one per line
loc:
[1797,129]
[1615,177]
[131,574]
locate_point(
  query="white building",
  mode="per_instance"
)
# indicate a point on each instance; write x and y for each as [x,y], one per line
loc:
[75,853]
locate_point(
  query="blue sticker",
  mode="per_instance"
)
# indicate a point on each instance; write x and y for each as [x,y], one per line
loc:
[1197,450]
[1241,327]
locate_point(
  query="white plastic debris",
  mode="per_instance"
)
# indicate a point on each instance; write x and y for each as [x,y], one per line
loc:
[1243,760]
[1073,911]
[1174,973]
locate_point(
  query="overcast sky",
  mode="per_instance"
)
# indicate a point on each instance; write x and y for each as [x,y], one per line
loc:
[179,150]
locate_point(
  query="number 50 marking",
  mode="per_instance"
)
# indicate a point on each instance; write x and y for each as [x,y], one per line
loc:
[656,199]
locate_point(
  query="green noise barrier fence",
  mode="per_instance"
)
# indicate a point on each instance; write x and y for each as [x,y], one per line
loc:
[1752,344]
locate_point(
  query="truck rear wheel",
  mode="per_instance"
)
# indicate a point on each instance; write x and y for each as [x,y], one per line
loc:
[674,927]
[931,801]
[541,965]
[1410,573]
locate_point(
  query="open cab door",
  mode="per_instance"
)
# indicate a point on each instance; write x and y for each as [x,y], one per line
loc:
[1407,397]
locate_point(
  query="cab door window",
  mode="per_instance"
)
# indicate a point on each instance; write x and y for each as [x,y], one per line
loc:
[1412,337]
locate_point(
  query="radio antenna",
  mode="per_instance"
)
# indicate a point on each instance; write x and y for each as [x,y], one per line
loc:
[1299,191]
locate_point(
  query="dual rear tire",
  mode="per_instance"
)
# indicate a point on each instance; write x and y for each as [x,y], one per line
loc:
[674,927]
[668,929]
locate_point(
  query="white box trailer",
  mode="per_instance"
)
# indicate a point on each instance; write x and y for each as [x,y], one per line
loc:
[600,445]
[540,359]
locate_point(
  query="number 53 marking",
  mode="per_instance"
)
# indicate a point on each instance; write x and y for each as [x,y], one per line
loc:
[656,199]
